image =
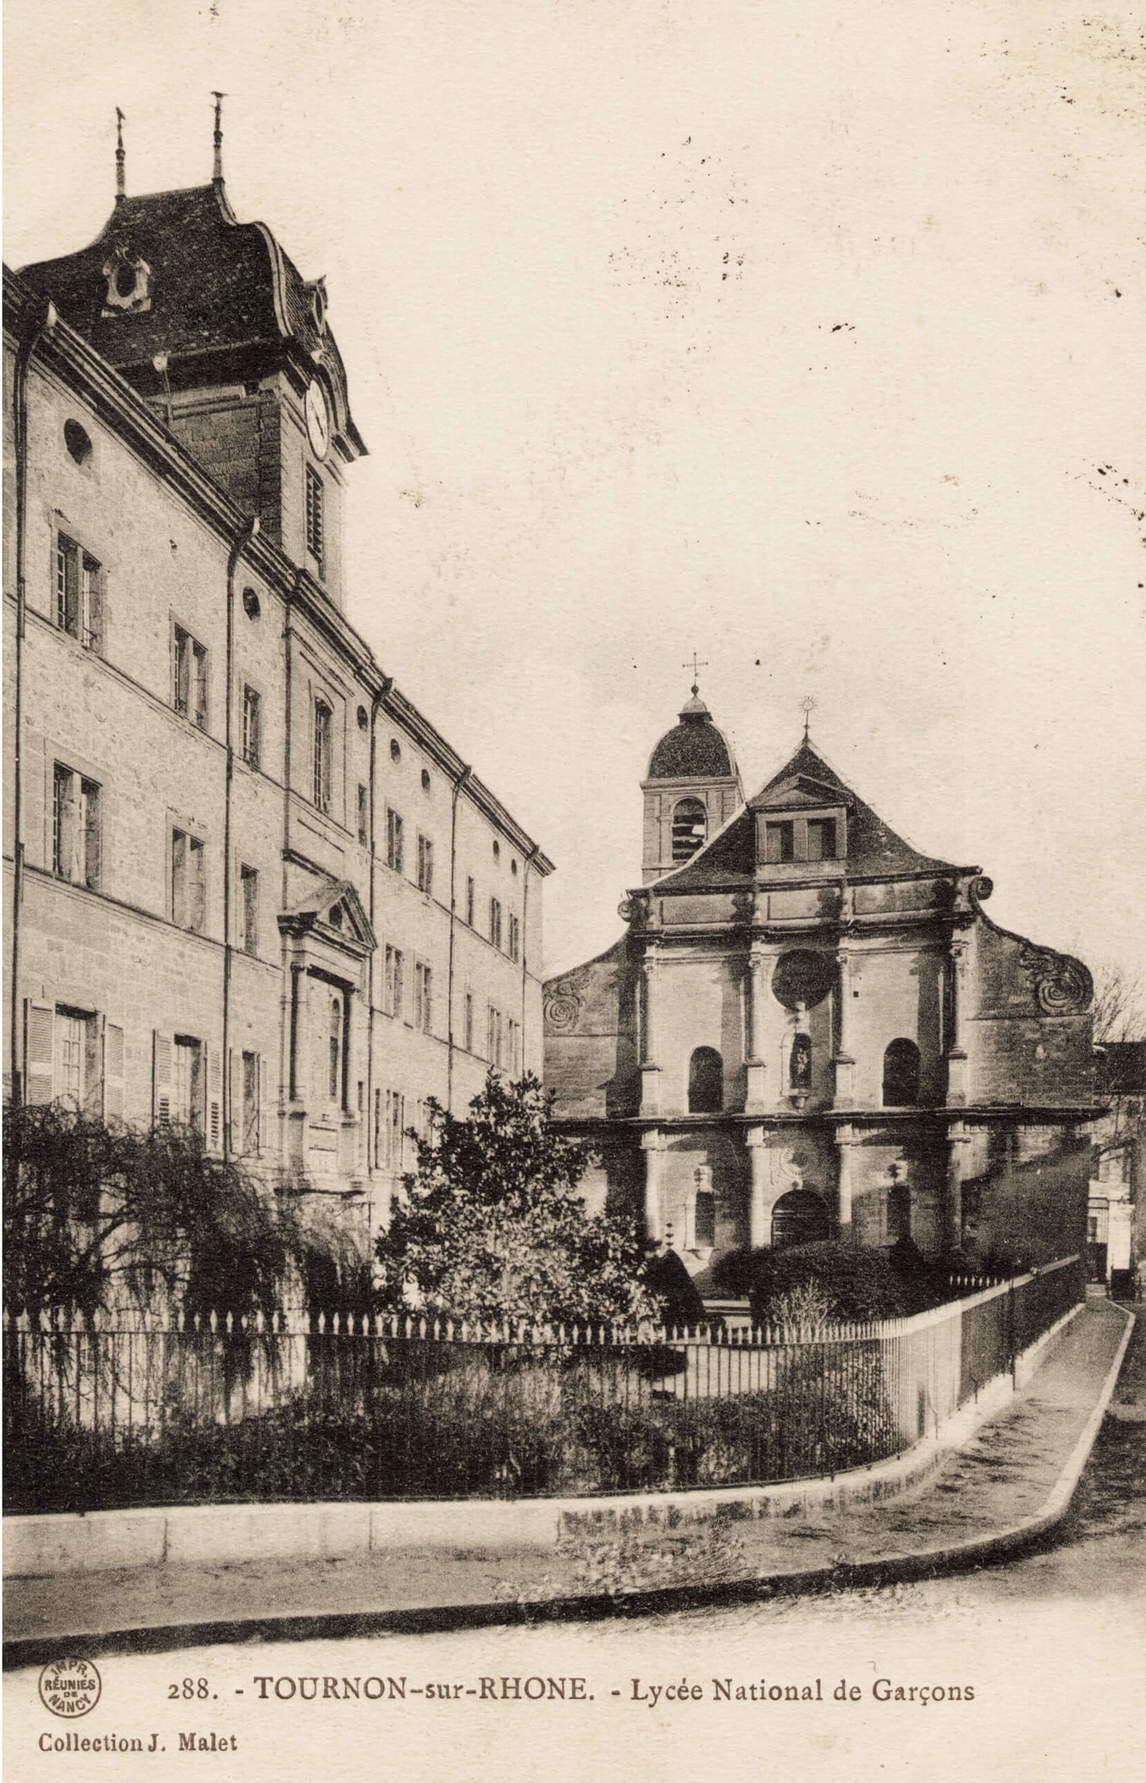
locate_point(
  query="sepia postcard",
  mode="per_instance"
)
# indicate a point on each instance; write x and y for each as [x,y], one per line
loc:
[575,987]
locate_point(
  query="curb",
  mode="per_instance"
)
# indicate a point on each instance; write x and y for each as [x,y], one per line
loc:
[30,1650]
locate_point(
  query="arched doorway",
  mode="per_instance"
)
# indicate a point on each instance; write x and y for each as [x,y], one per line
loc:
[799,1217]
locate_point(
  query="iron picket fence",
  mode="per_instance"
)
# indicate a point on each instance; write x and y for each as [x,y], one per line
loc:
[197,1410]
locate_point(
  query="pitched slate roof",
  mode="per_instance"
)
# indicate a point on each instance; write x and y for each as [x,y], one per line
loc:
[873,848]
[216,285]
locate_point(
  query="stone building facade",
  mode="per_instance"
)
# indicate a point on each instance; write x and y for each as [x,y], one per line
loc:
[248,884]
[810,1029]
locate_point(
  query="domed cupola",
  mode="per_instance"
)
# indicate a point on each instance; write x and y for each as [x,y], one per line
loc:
[691,790]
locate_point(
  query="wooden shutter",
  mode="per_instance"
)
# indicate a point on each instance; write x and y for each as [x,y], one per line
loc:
[161,1079]
[235,1090]
[89,807]
[70,617]
[213,1128]
[197,887]
[39,1024]
[112,1072]
[93,576]
[179,870]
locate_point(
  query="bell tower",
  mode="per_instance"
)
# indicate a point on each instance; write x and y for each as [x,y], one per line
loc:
[215,326]
[691,790]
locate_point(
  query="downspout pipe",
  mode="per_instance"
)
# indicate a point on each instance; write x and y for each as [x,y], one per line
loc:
[241,540]
[43,325]
[459,783]
[371,969]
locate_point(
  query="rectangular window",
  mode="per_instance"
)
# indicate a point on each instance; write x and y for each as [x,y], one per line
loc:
[314,529]
[423,998]
[780,842]
[821,838]
[188,881]
[395,1154]
[323,727]
[470,902]
[393,840]
[513,1056]
[363,815]
[495,921]
[189,677]
[392,981]
[468,1023]
[252,724]
[495,1037]
[75,828]
[425,864]
[79,593]
[250,1107]
[187,1084]
[514,938]
[76,1073]
[249,889]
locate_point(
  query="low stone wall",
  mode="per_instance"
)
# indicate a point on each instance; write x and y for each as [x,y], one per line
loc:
[192,1535]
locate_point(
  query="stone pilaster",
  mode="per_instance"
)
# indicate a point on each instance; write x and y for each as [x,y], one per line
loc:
[761,1197]
[957,1137]
[956,1056]
[652,1144]
[650,1069]
[845,1141]
[843,1061]
[754,1063]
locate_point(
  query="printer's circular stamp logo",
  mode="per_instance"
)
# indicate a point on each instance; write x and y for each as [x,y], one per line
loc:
[70,1687]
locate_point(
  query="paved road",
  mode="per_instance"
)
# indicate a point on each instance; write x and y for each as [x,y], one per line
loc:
[1045,1653]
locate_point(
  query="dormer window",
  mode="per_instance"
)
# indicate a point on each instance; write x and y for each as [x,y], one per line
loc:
[821,838]
[128,284]
[779,842]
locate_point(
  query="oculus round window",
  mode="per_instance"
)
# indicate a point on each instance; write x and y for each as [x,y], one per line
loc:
[251,605]
[78,441]
[802,976]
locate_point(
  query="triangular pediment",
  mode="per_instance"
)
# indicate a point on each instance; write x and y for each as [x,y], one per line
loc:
[799,792]
[336,911]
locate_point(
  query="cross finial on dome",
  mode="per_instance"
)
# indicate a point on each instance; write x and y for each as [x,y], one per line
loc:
[807,706]
[218,170]
[696,667]
[120,182]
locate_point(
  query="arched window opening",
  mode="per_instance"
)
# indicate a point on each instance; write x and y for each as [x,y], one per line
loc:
[799,1217]
[705,1081]
[800,1063]
[689,828]
[901,1074]
[704,1220]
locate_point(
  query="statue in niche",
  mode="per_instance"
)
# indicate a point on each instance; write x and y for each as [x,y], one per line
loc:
[800,1063]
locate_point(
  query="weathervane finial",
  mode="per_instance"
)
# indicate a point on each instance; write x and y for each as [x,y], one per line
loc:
[807,706]
[218,98]
[120,181]
[695,665]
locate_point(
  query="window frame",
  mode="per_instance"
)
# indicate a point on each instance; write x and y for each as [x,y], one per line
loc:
[322,754]
[495,915]
[425,864]
[395,840]
[79,585]
[190,677]
[77,839]
[251,727]
[249,908]
[192,892]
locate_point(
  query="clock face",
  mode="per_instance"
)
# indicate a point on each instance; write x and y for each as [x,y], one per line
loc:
[317,418]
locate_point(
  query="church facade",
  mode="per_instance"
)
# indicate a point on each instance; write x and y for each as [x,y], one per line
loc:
[809,1029]
[249,886]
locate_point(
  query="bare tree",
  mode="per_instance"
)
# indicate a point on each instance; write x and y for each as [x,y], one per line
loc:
[1119,1004]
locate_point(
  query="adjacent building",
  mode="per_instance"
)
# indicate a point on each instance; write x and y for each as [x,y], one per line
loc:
[811,1029]
[249,885]
[1116,1213]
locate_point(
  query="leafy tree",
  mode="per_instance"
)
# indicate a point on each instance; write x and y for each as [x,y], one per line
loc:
[493,1227]
[97,1214]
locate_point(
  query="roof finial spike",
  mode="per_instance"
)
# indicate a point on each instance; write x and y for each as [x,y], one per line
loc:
[218,173]
[696,667]
[120,159]
[807,706]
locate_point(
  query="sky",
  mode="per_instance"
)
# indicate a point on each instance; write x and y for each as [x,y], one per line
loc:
[807,337]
